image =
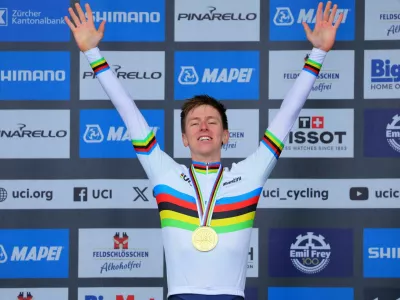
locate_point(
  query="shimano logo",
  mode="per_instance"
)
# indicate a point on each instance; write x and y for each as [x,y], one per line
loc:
[35,75]
[236,179]
[189,76]
[381,253]
[126,17]
[215,16]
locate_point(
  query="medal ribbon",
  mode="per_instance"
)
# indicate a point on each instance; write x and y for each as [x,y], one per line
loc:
[205,212]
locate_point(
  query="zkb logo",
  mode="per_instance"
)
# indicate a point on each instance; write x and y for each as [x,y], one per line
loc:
[3,17]
[93,134]
[283,17]
[188,75]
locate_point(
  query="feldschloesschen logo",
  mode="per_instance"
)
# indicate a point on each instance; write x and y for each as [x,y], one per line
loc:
[120,257]
[310,253]
[21,296]
[3,194]
[393,133]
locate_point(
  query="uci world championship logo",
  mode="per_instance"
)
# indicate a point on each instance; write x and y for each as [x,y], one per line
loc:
[310,253]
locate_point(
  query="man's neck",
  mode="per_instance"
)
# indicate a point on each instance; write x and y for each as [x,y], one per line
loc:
[206,159]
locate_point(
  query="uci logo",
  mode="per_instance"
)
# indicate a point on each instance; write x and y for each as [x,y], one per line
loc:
[186,178]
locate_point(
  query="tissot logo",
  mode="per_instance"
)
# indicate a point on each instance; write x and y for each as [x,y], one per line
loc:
[214,15]
[140,193]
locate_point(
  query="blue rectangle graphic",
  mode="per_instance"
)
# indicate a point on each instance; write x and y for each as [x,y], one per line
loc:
[310,252]
[131,21]
[34,75]
[230,75]
[104,135]
[306,293]
[34,21]
[382,252]
[34,253]
[382,132]
[286,17]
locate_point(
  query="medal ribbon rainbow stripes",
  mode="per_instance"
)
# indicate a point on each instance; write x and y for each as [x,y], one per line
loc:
[205,212]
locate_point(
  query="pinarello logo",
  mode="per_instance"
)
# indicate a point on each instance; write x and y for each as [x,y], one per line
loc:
[120,242]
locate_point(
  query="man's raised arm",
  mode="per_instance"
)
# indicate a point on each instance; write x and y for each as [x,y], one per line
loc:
[154,161]
[263,160]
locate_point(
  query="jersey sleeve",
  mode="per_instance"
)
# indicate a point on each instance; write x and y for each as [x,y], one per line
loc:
[154,161]
[261,163]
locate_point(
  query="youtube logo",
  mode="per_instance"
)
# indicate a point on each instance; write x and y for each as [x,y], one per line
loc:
[359,193]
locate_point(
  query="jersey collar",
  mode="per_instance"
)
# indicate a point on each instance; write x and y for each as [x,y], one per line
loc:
[206,168]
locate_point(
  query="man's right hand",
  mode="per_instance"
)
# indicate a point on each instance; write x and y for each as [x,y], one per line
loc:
[85,34]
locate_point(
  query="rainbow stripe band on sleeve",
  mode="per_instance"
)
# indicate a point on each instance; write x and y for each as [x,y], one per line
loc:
[145,146]
[312,67]
[272,143]
[99,66]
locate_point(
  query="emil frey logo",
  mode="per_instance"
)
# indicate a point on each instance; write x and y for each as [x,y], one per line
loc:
[393,133]
[120,257]
[310,253]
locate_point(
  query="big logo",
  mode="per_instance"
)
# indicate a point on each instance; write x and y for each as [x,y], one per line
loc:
[310,252]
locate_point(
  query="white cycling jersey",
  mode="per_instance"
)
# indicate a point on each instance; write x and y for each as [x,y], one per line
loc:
[222,270]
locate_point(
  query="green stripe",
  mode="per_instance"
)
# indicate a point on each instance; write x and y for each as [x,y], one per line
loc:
[97,61]
[314,63]
[234,227]
[274,138]
[178,224]
[218,229]
[145,140]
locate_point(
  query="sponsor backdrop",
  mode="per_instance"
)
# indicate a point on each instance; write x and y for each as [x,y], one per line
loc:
[78,216]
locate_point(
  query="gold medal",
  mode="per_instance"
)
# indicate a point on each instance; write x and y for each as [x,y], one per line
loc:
[204,238]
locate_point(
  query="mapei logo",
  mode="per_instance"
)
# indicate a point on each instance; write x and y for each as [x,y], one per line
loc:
[189,76]
[21,296]
[94,134]
[284,16]
[310,253]
[3,17]
[26,254]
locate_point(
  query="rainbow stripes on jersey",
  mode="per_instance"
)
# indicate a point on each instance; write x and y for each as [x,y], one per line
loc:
[145,146]
[201,167]
[272,143]
[230,214]
[99,66]
[312,67]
